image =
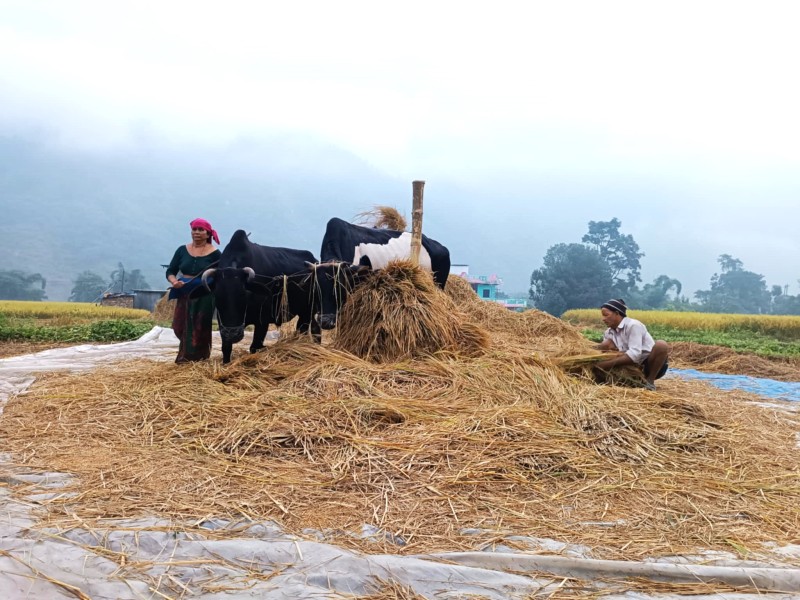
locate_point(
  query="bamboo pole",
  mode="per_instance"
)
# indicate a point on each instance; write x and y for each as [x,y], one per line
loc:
[416,221]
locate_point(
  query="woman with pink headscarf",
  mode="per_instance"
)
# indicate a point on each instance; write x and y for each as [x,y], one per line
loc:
[193,312]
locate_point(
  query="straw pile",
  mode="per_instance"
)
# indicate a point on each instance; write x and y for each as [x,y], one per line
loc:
[716,359]
[440,452]
[438,439]
[532,331]
[399,313]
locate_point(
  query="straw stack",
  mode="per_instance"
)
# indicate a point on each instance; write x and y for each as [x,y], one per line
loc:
[399,313]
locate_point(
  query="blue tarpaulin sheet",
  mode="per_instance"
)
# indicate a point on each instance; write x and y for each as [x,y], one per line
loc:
[770,388]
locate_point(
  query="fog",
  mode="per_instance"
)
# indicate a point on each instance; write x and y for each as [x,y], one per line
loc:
[526,120]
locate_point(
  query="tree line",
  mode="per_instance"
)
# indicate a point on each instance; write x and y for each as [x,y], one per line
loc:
[88,286]
[606,264]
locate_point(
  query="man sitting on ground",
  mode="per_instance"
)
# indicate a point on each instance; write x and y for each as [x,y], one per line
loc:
[631,337]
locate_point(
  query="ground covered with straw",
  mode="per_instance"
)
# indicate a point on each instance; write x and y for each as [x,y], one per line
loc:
[716,359]
[440,451]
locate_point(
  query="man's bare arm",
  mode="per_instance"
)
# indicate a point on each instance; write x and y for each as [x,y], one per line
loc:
[606,346]
[618,361]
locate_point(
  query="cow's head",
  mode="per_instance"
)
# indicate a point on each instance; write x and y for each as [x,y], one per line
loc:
[230,297]
[333,281]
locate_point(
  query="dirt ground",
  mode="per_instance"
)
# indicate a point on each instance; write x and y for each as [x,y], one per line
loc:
[14,348]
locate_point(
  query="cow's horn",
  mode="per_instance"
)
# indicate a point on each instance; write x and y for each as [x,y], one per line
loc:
[206,274]
[250,274]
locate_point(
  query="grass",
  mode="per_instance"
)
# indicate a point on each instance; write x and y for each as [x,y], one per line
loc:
[70,322]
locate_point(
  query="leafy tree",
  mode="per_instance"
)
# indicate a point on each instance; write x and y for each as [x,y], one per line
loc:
[620,251]
[18,285]
[682,304]
[735,290]
[654,296]
[136,281]
[783,303]
[88,287]
[727,263]
[124,282]
[573,276]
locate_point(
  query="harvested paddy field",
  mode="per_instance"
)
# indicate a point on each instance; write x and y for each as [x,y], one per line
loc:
[441,451]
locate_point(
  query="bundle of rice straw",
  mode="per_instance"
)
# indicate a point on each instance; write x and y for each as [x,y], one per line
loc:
[399,313]
[382,217]
[164,309]
[583,366]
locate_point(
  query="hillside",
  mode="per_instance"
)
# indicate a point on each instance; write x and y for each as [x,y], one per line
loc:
[68,211]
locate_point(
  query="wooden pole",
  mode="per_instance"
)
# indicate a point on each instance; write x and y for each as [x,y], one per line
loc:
[416,221]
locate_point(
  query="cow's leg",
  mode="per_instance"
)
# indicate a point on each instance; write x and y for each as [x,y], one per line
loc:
[227,348]
[306,322]
[316,331]
[259,335]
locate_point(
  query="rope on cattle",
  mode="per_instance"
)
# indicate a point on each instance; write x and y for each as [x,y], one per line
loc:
[280,301]
[283,307]
[339,298]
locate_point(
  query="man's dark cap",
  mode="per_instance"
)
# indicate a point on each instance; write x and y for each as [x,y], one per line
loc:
[618,306]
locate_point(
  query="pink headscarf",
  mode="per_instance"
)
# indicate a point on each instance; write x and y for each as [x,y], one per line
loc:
[205,225]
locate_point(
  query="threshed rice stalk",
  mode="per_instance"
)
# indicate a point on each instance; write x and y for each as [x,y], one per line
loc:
[382,217]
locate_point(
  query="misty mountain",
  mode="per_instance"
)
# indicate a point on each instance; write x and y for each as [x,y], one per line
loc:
[67,211]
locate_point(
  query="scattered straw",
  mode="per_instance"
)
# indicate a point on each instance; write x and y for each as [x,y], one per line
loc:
[390,590]
[442,450]
[18,348]
[716,359]
[425,449]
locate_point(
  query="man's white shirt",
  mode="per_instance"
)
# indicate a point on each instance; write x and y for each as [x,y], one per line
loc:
[632,338]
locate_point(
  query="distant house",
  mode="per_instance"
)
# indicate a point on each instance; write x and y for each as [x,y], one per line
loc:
[487,287]
[121,300]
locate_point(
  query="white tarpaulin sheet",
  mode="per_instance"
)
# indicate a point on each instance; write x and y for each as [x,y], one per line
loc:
[157,559]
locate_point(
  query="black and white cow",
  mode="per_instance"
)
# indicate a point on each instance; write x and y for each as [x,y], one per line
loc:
[350,251]
[250,285]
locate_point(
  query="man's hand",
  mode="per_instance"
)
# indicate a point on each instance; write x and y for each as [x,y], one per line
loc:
[617,361]
[606,346]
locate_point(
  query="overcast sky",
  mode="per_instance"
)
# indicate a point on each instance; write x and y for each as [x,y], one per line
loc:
[680,118]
